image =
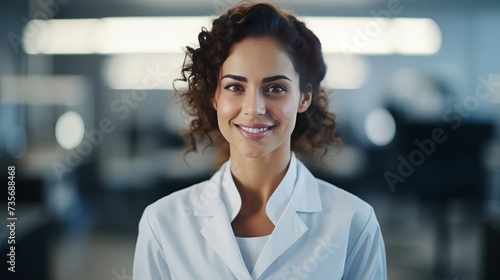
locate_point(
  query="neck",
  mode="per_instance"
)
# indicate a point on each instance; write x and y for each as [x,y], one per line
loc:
[257,178]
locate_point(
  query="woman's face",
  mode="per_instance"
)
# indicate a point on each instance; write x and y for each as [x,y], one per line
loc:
[258,98]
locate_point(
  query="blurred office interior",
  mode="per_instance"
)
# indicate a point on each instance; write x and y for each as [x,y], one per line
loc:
[89,119]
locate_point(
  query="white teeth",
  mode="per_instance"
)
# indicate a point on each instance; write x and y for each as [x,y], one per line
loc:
[254,130]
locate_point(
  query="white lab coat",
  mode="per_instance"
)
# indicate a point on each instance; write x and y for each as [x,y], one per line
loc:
[321,232]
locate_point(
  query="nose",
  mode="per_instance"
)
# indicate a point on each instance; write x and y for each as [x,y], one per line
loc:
[254,103]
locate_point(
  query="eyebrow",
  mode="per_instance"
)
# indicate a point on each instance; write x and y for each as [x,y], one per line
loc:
[264,80]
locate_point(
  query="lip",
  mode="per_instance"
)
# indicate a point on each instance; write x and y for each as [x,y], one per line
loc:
[254,135]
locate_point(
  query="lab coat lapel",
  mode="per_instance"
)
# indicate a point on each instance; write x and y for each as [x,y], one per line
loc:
[221,210]
[288,230]
[219,235]
[298,192]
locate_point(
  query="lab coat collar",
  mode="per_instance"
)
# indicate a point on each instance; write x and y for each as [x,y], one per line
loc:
[276,203]
[297,192]
[281,196]
[305,197]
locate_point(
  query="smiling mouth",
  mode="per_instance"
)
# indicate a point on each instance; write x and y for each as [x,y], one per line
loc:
[254,130]
[254,133]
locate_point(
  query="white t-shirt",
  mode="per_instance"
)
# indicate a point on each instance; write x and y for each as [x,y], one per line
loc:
[250,248]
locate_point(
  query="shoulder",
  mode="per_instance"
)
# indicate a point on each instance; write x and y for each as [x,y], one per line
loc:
[339,208]
[349,212]
[335,198]
[174,201]
[179,207]
[191,199]
[344,205]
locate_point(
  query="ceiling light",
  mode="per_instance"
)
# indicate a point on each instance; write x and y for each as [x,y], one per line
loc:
[345,35]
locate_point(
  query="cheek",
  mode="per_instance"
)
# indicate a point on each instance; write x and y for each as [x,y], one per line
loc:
[286,112]
[226,109]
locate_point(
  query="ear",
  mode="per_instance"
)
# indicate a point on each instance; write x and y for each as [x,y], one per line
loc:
[214,99]
[305,101]
[214,103]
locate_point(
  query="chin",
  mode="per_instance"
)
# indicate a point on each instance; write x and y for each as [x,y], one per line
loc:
[251,151]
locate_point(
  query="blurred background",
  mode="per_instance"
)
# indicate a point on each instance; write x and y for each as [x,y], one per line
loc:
[89,121]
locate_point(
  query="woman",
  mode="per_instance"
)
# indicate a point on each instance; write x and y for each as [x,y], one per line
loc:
[254,91]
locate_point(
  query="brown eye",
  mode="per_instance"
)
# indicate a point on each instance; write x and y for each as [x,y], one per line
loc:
[276,89]
[234,88]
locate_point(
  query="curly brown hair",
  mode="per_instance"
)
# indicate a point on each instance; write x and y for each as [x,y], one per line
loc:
[315,128]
